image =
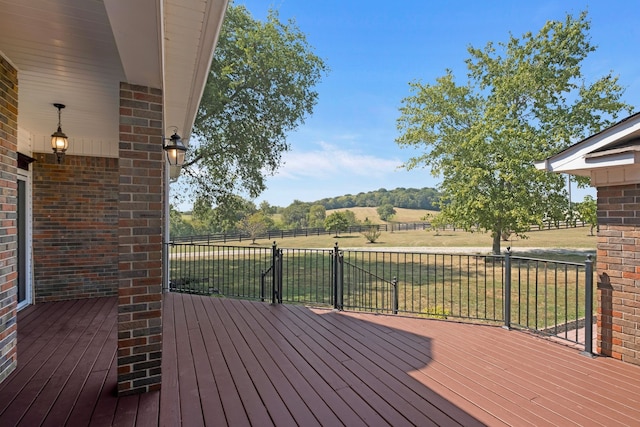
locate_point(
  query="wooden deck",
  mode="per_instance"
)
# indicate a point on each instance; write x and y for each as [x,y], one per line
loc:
[231,362]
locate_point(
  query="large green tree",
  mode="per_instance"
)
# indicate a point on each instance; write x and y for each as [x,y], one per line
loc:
[523,101]
[221,218]
[316,216]
[588,211]
[255,225]
[260,87]
[337,222]
[178,227]
[295,215]
[386,212]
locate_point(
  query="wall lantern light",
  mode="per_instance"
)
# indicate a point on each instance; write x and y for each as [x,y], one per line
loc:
[59,141]
[175,149]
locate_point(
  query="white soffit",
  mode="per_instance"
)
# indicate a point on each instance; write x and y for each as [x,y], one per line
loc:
[136,26]
[191,30]
[577,159]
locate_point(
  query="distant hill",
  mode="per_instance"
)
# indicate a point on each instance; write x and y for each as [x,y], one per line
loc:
[407,198]
[402,215]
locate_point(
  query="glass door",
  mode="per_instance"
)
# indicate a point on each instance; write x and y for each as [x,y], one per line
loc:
[24,244]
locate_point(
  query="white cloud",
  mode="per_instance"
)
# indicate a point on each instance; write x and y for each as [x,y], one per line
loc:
[330,160]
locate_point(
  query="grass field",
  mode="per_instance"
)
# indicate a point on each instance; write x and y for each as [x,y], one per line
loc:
[402,215]
[571,238]
[556,239]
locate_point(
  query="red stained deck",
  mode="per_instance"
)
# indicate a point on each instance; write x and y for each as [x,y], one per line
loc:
[230,362]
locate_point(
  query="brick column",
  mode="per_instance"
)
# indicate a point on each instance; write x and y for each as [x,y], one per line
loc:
[141,167]
[8,216]
[618,267]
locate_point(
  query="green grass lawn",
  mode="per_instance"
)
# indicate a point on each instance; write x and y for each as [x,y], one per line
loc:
[442,284]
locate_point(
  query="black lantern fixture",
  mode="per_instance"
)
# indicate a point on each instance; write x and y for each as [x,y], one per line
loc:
[175,149]
[59,141]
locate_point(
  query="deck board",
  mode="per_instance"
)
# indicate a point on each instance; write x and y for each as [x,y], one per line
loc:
[242,363]
[309,366]
[105,408]
[393,370]
[67,398]
[126,412]
[546,368]
[212,410]
[47,371]
[148,410]
[273,403]
[276,356]
[190,405]
[371,405]
[169,411]
[240,376]
[510,395]
[498,391]
[38,344]
[382,387]
[365,363]
[233,411]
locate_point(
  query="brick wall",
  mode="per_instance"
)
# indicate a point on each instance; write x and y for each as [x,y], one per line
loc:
[75,220]
[141,224]
[8,216]
[618,268]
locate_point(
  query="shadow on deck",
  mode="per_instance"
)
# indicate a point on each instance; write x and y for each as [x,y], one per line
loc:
[232,362]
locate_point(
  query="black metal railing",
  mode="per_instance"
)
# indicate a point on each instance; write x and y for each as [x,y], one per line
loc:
[550,297]
[233,271]
[358,288]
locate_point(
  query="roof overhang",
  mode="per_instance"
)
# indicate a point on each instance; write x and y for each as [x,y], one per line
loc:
[617,147]
[76,52]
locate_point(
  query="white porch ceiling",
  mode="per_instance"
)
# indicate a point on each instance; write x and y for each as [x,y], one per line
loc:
[76,52]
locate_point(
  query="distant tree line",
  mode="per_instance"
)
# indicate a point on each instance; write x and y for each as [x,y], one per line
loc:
[407,198]
[243,215]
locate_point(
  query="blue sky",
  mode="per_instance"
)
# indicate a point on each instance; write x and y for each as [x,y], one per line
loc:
[375,48]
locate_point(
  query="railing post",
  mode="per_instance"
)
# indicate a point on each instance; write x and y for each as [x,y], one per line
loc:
[395,295]
[336,262]
[262,285]
[507,289]
[166,268]
[274,285]
[279,274]
[340,281]
[588,308]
